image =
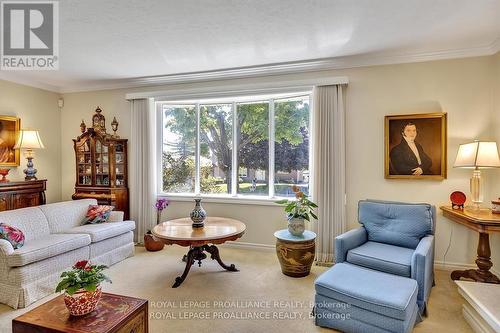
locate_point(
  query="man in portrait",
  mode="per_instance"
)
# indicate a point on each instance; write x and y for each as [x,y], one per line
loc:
[408,157]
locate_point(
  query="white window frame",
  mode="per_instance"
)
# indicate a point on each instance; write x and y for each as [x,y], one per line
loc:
[233,197]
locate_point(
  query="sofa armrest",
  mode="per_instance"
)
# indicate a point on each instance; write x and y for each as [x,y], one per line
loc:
[422,269]
[347,241]
[5,248]
[116,216]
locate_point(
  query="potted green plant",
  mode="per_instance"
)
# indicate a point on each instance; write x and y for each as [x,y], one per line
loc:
[82,287]
[298,210]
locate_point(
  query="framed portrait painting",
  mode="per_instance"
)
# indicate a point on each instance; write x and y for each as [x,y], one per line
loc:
[9,130]
[415,146]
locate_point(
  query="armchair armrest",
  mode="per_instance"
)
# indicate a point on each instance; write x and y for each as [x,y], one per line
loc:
[5,248]
[347,241]
[116,216]
[422,269]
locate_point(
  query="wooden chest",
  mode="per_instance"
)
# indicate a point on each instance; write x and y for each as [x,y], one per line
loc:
[114,314]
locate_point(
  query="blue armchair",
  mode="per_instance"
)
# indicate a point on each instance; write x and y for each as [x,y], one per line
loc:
[396,238]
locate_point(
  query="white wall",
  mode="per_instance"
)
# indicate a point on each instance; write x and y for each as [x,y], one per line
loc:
[37,109]
[462,88]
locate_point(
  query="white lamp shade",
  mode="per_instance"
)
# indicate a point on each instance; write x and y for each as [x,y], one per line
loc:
[29,139]
[478,154]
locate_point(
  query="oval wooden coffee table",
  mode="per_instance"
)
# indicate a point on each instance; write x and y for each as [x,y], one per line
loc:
[216,230]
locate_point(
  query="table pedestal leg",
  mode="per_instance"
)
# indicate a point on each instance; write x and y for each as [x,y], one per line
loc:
[214,252]
[189,259]
[483,262]
[196,253]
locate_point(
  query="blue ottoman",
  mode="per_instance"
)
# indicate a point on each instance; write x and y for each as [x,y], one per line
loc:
[351,298]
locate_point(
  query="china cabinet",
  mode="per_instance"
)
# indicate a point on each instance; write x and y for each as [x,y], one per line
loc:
[101,165]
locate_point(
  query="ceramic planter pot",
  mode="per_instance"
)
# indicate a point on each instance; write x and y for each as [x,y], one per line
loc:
[151,244]
[296,226]
[82,302]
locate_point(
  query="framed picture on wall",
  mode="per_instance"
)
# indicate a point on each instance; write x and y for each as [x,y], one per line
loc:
[415,146]
[9,130]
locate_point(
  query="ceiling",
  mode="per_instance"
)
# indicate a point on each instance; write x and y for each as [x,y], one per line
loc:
[122,43]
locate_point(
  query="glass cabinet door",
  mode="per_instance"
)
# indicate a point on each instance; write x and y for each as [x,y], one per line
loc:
[101,164]
[84,163]
[119,164]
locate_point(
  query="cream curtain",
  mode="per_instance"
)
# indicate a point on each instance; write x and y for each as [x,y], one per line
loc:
[328,165]
[142,166]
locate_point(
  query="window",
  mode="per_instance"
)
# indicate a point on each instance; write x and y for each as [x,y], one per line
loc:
[291,152]
[253,148]
[216,146]
[249,147]
[179,147]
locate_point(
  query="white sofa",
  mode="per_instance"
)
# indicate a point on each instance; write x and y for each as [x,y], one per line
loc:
[55,239]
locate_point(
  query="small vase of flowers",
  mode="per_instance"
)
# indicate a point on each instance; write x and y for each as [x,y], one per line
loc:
[82,287]
[160,205]
[298,210]
[150,243]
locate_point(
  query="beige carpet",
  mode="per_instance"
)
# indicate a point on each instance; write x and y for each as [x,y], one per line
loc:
[281,303]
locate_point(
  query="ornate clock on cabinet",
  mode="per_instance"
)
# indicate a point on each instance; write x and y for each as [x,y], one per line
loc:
[101,165]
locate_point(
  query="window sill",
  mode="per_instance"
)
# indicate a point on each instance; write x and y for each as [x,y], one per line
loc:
[242,200]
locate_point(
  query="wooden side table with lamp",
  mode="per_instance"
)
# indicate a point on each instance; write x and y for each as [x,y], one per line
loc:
[28,193]
[477,155]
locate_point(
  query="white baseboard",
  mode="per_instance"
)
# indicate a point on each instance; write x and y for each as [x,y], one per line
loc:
[451,266]
[250,246]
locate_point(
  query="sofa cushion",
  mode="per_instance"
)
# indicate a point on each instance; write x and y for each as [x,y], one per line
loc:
[65,215]
[99,232]
[382,257]
[31,221]
[97,214]
[395,223]
[12,235]
[108,245]
[390,295]
[46,247]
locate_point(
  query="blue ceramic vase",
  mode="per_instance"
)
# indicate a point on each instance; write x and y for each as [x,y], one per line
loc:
[198,215]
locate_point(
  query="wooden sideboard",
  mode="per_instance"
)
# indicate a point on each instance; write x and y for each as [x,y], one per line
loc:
[15,195]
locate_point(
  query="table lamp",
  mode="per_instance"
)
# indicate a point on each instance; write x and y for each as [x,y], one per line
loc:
[29,140]
[477,155]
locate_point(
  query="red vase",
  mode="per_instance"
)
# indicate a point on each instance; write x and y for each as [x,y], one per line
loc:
[4,173]
[82,302]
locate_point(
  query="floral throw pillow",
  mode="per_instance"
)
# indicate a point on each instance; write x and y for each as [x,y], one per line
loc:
[97,214]
[11,234]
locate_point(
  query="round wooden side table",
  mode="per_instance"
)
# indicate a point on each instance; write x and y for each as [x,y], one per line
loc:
[295,253]
[216,230]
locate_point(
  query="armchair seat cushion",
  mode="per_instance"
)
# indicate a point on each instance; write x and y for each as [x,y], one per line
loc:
[46,247]
[99,232]
[382,257]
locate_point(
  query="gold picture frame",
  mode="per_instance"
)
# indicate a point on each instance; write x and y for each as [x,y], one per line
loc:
[415,146]
[9,131]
